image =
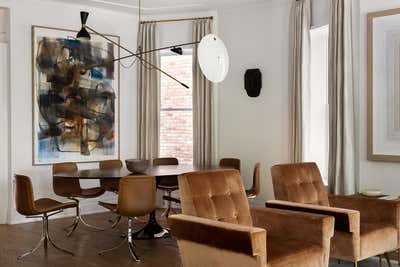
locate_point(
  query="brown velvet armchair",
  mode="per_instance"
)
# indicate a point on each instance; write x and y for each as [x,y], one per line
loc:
[218,228]
[364,227]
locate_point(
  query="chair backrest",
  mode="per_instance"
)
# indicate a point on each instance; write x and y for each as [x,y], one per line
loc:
[300,182]
[256,187]
[230,162]
[110,164]
[165,161]
[217,195]
[23,195]
[65,187]
[137,196]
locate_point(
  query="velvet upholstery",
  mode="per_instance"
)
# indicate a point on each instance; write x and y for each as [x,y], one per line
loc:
[373,223]
[300,183]
[219,223]
[255,189]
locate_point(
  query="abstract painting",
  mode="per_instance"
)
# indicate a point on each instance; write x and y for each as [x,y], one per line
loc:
[75,97]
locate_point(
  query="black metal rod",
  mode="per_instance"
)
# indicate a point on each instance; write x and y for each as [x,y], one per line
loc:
[137,55]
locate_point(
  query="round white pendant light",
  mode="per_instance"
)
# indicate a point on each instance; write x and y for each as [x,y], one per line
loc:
[213,58]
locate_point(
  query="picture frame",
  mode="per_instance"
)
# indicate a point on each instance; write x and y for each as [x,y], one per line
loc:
[75,97]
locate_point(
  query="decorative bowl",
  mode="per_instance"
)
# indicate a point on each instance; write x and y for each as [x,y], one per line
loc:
[372,192]
[137,165]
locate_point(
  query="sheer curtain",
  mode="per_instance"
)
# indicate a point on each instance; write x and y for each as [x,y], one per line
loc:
[147,95]
[202,102]
[300,24]
[341,100]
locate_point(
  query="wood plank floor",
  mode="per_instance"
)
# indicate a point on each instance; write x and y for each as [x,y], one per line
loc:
[85,243]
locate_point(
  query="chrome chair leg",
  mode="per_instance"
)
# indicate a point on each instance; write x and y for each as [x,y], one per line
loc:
[114,248]
[169,207]
[45,238]
[79,218]
[115,222]
[131,244]
[388,259]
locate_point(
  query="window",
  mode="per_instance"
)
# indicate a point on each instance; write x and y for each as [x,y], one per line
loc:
[315,103]
[176,113]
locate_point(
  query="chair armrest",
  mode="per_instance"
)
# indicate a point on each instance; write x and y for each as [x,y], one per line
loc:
[314,228]
[345,220]
[227,236]
[371,209]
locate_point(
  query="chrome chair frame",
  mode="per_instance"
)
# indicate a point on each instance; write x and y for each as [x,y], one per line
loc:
[127,239]
[45,237]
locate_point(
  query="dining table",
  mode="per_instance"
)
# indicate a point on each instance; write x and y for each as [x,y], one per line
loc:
[153,229]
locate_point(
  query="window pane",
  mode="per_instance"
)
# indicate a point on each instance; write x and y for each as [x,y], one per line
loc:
[173,95]
[176,116]
[315,103]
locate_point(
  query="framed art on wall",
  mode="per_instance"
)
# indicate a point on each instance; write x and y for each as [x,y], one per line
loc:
[384,85]
[75,97]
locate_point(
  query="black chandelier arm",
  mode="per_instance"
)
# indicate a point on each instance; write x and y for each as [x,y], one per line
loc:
[137,55]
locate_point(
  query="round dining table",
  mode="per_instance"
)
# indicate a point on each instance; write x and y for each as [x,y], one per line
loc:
[153,229]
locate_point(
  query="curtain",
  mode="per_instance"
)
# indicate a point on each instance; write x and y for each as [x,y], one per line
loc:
[147,95]
[300,24]
[202,102]
[341,100]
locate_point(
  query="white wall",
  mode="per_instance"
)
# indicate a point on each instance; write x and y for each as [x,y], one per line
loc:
[24,14]
[4,116]
[373,174]
[256,129]
[320,12]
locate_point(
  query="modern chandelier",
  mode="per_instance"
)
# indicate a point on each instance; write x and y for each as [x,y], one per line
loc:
[212,53]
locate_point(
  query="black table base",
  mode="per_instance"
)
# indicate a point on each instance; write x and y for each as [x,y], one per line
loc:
[152,230]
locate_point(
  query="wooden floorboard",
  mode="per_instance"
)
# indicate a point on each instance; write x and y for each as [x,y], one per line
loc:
[85,243]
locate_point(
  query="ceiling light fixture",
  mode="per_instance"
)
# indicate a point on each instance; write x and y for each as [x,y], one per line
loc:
[212,53]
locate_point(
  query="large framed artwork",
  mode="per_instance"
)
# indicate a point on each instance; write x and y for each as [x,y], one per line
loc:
[75,97]
[384,85]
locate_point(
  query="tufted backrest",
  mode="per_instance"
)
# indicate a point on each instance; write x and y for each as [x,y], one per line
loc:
[301,182]
[218,195]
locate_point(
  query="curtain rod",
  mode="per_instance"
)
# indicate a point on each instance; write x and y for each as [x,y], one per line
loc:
[174,20]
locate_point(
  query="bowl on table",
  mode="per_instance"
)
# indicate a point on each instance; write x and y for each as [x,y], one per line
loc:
[137,166]
[372,192]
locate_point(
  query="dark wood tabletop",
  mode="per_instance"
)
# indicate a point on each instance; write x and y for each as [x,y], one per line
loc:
[157,171]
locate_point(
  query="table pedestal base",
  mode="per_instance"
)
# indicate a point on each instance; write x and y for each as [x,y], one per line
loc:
[152,230]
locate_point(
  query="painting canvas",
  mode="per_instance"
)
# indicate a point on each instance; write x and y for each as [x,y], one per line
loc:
[75,97]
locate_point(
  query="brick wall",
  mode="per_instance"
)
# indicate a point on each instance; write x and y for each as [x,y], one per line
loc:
[176,120]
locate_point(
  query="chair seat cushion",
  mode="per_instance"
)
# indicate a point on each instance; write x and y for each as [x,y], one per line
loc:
[110,206]
[168,183]
[377,238]
[91,192]
[292,253]
[45,205]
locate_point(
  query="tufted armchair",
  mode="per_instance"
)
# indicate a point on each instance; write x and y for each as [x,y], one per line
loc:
[364,227]
[219,229]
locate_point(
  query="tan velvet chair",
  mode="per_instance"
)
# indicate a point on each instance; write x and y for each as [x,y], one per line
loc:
[136,197]
[218,228]
[41,208]
[230,162]
[255,189]
[168,184]
[364,227]
[71,189]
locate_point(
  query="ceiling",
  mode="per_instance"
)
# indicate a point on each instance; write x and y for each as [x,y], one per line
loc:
[160,6]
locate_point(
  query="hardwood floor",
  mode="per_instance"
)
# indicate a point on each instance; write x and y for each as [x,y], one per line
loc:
[85,243]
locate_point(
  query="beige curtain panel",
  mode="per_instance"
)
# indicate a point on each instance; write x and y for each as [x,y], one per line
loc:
[300,24]
[341,100]
[147,95]
[202,102]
